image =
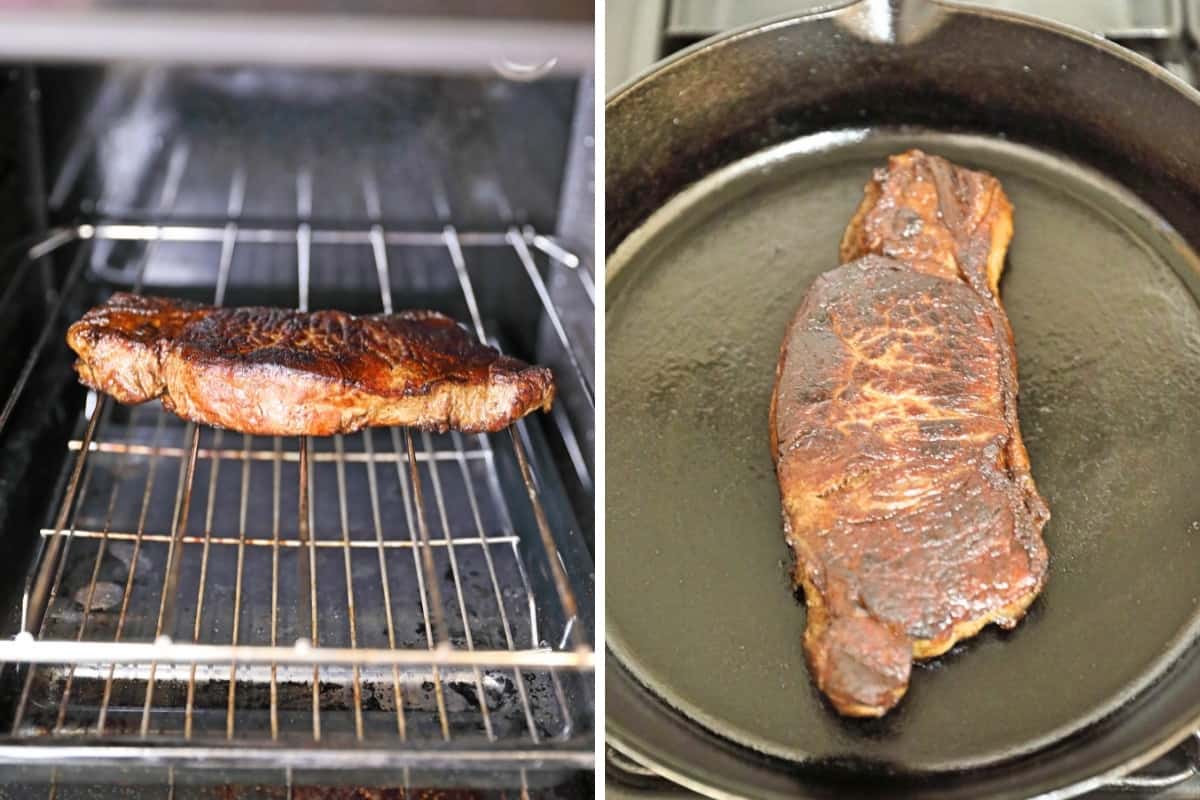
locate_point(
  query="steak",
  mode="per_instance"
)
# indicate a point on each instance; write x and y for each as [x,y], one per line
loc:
[273,371]
[908,502]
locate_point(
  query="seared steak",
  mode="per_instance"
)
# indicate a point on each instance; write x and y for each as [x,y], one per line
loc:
[274,371]
[907,498]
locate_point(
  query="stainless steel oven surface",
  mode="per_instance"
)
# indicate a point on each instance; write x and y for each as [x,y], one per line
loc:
[391,609]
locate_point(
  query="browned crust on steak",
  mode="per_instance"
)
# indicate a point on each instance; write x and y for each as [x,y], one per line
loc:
[272,371]
[908,501]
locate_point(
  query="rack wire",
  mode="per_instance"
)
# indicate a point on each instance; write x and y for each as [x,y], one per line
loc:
[392,590]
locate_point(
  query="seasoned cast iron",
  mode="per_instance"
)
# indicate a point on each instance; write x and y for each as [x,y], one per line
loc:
[732,171]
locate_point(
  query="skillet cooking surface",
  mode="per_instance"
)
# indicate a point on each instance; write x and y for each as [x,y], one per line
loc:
[1101,296]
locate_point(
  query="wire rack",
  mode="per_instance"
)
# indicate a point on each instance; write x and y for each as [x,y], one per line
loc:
[401,599]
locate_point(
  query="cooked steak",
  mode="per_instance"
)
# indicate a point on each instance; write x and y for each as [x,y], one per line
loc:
[274,371]
[907,498]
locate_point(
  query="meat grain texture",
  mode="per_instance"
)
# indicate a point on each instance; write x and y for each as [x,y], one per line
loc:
[273,371]
[908,501]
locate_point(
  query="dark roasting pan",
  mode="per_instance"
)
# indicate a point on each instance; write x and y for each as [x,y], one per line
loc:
[731,172]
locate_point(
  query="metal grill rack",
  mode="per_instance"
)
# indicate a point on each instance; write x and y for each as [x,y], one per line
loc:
[392,601]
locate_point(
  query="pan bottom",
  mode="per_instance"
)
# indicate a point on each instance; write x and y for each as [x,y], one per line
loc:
[1101,294]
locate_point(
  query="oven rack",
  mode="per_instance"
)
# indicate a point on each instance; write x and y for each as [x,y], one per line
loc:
[502,687]
[206,185]
[288,208]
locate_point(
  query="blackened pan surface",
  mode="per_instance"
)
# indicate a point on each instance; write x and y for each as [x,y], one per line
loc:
[1102,298]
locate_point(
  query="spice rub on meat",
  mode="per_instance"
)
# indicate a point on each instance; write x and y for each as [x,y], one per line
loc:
[272,371]
[908,501]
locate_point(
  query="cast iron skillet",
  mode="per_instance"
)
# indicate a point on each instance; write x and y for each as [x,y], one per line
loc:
[731,172]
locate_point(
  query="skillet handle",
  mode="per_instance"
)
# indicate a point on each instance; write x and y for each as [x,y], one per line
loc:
[1156,783]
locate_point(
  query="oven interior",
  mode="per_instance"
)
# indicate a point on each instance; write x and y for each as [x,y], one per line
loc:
[187,605]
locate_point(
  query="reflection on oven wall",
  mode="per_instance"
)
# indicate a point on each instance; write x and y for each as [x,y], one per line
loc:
[456,183]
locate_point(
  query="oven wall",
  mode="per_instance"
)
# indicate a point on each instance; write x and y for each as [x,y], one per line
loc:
[33,429]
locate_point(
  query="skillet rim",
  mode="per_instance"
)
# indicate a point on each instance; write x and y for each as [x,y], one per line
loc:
[724,38]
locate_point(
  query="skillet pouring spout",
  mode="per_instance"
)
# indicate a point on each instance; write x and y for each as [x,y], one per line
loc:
[891,22]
